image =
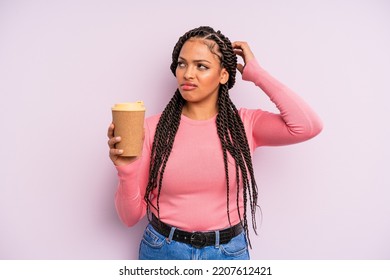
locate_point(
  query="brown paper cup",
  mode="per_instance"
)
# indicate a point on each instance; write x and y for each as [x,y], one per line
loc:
[128,119]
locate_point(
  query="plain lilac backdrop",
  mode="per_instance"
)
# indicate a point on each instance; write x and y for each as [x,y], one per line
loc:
[64,63]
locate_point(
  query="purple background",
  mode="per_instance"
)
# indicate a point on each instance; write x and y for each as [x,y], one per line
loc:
[64,63]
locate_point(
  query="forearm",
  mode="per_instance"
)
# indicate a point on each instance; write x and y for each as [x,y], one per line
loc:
[129,201]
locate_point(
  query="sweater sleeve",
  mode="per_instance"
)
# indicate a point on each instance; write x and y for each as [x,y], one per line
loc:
[296,122]
[129,198]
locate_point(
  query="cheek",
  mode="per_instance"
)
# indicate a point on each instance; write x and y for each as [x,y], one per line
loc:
[210,79]
[179,74]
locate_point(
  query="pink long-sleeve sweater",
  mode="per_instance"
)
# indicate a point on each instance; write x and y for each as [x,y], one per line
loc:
[193,196]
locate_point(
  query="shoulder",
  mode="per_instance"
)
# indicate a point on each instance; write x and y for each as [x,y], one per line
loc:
[151,124]
[153,120]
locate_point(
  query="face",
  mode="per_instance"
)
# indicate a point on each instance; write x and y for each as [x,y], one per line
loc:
[199,73]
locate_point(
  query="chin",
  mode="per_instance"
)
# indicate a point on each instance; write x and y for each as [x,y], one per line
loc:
[187,97]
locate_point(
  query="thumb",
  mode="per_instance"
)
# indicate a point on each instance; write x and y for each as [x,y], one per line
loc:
[240,67]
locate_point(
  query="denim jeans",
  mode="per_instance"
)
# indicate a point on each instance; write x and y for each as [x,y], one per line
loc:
[155,246]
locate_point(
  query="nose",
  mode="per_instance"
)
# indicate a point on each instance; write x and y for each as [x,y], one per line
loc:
[188,73]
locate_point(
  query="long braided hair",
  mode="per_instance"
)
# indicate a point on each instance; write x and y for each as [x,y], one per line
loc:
[230,130]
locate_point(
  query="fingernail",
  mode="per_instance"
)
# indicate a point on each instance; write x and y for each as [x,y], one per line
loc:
[120,151]
[117,138]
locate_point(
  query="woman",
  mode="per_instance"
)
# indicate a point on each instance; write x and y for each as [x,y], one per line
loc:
[195,178]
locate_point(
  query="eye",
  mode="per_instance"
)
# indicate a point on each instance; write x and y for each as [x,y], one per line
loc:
[202,67]
[180,64]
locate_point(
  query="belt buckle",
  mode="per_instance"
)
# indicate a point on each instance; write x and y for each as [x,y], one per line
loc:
[198,240]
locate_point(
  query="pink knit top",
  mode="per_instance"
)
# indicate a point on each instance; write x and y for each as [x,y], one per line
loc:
[193,196]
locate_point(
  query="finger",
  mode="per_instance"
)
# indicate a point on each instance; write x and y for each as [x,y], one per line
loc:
[240,45]
[113,141]
[110,132]
[237,44]
[244,47]
[115,152]
[240,67]
[239,52]
[240,55]
[246,54]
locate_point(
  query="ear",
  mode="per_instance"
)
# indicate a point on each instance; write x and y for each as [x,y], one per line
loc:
[224,76]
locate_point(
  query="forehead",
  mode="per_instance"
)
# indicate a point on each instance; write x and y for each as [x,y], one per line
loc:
[195,48]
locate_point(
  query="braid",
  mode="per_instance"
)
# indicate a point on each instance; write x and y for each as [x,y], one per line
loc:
[162,145]
[233,139]
[230,129]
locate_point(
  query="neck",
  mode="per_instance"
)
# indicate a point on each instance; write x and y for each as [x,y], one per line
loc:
[198,112]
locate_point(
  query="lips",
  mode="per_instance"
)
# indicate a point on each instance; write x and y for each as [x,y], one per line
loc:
[188,86]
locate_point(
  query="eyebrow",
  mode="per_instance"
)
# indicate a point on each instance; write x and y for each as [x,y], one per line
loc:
[196,61]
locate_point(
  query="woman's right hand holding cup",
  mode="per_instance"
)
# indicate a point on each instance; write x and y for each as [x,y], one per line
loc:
[115,154]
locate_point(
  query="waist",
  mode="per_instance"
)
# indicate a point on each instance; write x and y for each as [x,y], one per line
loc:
[197,239]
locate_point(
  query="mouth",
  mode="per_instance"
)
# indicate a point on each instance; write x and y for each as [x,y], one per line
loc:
[188,86]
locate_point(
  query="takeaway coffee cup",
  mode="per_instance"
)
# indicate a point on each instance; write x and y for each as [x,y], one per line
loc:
[128,119]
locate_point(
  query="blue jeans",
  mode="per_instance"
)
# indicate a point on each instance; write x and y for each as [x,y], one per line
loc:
[155,246]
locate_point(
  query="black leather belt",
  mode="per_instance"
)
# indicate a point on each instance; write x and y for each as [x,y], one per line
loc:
[198,239]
